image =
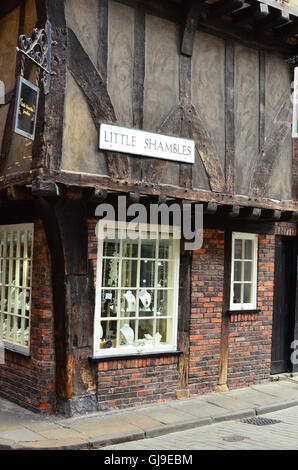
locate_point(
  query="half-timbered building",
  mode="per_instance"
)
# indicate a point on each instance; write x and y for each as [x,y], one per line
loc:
[95,323]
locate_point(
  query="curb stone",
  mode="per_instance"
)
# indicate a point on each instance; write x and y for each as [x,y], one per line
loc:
[248,413]
[275,407]
[180,426]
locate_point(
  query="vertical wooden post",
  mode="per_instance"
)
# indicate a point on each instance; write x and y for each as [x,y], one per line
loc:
[66,229]
[224,344]
[262,99]
[183,322]
[102,61]
[138,82]
[230,115]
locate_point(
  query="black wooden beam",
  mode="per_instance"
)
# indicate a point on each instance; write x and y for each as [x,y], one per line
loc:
[47,146]
[229,117]
[289,216]
[250,14]
[184,309]
[251,213]
[190,26]
[102,61]
[138,83]
[222,8]
[287,30]
[271,215]
[229,211]
[274,19]
[262,99]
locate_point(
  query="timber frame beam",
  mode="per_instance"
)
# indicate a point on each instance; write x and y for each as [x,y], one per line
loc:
[161,191]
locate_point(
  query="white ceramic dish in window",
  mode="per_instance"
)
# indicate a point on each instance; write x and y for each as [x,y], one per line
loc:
[127,334]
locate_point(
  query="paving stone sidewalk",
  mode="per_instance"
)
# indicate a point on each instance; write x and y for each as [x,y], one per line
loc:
[21,429]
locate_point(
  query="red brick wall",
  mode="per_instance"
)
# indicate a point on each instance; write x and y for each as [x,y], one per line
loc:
[250,334]
[206,312]
[134,382]
[30,381]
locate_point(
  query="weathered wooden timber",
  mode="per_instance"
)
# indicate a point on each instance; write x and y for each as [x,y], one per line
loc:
[190,26]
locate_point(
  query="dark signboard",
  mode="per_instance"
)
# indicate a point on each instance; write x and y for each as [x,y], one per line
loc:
[26,108]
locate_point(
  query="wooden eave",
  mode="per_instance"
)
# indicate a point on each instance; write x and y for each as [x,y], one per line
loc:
[53,183]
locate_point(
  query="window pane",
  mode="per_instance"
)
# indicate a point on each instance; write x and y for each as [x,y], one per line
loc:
[129,273]
[237,271]
[111,248]
[146,303]
[147,274]
[110,272]
[247,297]
[237,294]
[164,302]
[130,248]
[145,331]
[165,274]
[248,270]
[163,331]
[26,332]
[238,249]
[248,249]
[148,248]
[108,334]
[165,249]
[128,303]
[109,302]
[127,333]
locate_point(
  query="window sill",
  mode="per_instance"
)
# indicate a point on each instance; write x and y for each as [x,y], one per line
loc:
[244,311]
[145,354]
[16,349]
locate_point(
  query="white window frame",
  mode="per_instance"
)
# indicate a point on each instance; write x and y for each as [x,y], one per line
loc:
[252,305]
[137,350]
[11,345]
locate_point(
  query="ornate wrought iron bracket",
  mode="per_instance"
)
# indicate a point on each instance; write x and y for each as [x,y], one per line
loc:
[38,50]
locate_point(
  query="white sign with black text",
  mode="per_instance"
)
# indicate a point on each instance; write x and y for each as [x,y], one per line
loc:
[147,144]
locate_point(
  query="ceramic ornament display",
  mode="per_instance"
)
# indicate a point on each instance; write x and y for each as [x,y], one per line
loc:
[127,334]
[131,301]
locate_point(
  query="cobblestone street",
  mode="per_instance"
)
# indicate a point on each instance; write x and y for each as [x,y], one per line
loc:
[228,435]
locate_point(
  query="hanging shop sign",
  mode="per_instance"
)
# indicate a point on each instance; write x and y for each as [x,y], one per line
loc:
[26,108]
[147,144]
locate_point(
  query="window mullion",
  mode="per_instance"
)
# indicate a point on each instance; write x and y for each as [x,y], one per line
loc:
[3,282]
[9,290]
[242,271]
[155,286]
[138,288]
[17,284]
[119,291]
